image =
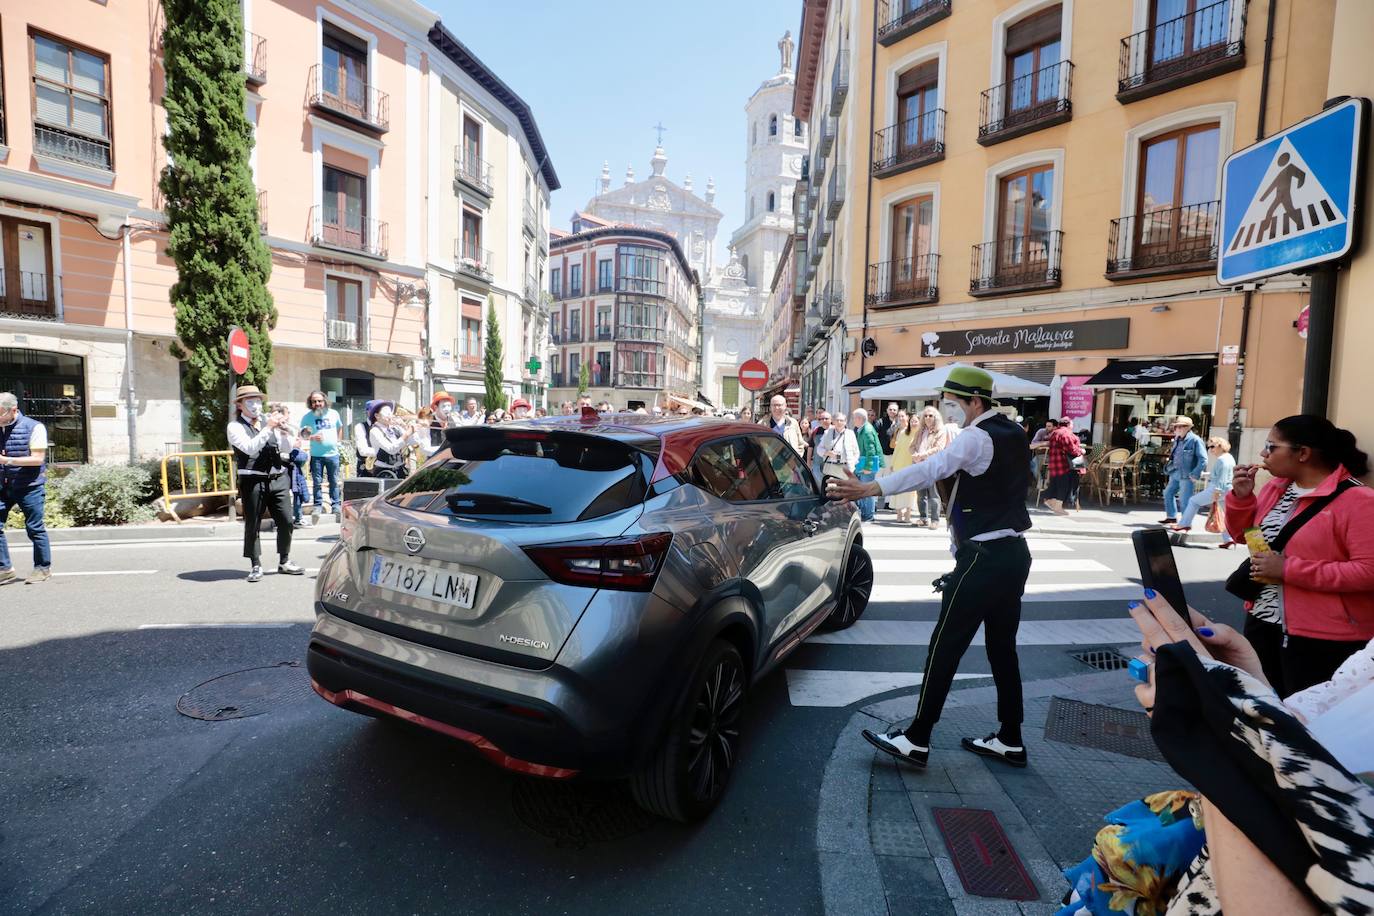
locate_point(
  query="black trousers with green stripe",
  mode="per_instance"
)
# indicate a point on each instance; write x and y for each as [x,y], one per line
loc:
[984,590]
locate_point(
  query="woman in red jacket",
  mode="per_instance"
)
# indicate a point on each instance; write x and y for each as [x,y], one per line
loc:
[1320,608]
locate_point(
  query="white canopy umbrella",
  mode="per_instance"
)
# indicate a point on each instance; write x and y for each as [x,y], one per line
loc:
[927,385]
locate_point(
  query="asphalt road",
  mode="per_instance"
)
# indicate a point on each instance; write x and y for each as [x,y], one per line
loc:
[113,802]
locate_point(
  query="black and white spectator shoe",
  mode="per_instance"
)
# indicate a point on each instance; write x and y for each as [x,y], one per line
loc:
[898,745]
[992,746]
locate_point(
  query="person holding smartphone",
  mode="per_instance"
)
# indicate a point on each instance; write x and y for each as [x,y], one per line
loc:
[1317,604]
[990,461]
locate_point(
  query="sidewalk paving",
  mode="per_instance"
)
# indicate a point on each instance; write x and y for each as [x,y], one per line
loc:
[1050,811]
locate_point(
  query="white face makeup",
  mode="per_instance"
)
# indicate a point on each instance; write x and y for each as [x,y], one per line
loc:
[252,407]
[384,413]
[952,412]
[443,408]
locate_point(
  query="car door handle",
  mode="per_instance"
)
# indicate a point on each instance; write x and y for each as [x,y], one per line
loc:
[811,527]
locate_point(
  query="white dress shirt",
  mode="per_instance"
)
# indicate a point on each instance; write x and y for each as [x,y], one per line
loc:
[970,452]
[843,443]
[384,440]
[361,443]
[250,443]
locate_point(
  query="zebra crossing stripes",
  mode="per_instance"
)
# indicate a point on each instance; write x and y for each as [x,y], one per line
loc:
[1096,632]
[908,592]
[899,567]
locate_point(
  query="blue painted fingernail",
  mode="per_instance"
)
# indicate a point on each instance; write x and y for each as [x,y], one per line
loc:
[1206,631]
[1149,593]
[1133,605]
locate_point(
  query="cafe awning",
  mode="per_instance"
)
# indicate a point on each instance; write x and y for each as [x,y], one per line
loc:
[1168,372]
[883,376]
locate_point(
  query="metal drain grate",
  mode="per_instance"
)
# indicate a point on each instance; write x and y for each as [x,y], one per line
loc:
[1106,728]
[987,864]
[1102,659]
[575,814]
[244,694]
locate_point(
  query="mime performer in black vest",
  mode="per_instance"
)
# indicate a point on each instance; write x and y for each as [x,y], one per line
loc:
[264,481]
[990,461]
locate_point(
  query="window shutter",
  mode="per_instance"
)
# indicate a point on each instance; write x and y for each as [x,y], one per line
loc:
[1034,30]
[926,74]
[52,105]
[49,60]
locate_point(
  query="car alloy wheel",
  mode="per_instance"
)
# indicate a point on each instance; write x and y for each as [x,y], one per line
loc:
[856,587]
[713,738]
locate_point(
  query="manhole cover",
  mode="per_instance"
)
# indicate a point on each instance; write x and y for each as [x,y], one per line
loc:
[244,694]
[1102,659]
[982,854]
[1107,728]
[578,813]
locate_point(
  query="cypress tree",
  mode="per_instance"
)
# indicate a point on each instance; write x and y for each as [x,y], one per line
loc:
[583,382]
[212,209]
[491,360]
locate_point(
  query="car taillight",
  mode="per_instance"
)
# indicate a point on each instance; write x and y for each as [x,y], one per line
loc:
[628,564]
[348,523]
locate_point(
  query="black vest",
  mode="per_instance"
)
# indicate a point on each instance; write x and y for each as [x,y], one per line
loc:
[996,498]
[268,461]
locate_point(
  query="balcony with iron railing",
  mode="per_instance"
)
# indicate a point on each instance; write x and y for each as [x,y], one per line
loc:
[1017,265]
[799,348]
[471,171]
[899,18]
[255,58]
[473,261]
[555,336]
[646,286]
[832,302]
[529,220]
[1177,241]
[632,379]
[604,332]
[34,298]
[531,290]
[555,380]
[827,226]
[572,335]
[262,212]
[814,329]
[346,232]
[834,198]
[1029,103]
[345,334]
[801,214]
[60,143]
[826,141]
[905,281]
[1194,47]
[839,82]
[336,93]
[470,362]
[909,145]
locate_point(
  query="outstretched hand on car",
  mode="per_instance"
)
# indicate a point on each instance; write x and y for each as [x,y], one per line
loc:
[851,488]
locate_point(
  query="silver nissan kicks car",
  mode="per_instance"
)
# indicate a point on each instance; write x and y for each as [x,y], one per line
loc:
[588,595]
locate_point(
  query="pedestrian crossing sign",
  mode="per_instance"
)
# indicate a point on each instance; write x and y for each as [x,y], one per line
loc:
[1289,201]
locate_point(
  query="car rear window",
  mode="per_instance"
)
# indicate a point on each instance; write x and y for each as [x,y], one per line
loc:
[535,477]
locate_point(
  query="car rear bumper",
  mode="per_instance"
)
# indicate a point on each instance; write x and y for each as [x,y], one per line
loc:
[536,722]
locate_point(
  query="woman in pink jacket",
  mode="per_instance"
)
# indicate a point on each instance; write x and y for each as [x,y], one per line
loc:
[1319,608]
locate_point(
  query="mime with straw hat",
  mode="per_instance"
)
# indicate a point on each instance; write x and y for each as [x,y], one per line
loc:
[990,462]
[262,466]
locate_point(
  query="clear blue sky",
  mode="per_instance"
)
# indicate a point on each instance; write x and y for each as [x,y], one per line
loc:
[599,75]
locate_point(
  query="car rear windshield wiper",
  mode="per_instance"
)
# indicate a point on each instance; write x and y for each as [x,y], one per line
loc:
[490,502]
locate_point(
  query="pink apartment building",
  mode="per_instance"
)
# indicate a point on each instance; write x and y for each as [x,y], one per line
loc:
[339,95]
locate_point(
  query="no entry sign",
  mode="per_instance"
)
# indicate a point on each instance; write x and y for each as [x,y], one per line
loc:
[238,351]
[753,375]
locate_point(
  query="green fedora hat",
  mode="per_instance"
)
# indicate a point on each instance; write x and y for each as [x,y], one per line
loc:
[968,382]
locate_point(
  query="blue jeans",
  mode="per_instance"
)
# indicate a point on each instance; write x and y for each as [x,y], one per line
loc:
[30,502]
[319,466]
[1177,493]
[867,505]
[1201,502]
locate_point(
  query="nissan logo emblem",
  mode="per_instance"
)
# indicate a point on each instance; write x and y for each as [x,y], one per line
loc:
[414,540]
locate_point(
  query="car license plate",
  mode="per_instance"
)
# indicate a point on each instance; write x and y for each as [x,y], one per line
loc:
[424,581]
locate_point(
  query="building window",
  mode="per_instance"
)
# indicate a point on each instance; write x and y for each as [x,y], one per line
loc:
[641,270]
[605,275]
[913,222]
[472,238]
[344,73]
[797,127]
[603,324]
[345,209]
[574,324]
[28,287]
[729,391]
[754,134]
[51,388]
[1025,201]
[574,368]
[1181,28]
[918,100]
[556,282]
[71,103]
[2,99]
[470,341]
[1176,202]
[601,369]
[772,202]
[772,125]
[574,280]
[1032,51]
[344,320]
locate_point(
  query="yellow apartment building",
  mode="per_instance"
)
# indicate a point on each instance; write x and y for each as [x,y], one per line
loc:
[1033,186]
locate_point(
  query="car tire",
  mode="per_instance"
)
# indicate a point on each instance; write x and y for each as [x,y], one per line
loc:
[856,587]
[688,775]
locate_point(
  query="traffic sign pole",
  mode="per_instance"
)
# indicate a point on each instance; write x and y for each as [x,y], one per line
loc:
[1321,330]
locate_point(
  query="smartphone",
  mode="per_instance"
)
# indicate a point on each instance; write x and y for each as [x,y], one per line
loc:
[1155,556]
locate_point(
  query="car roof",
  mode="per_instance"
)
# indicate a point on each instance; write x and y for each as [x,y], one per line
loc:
[674,439]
